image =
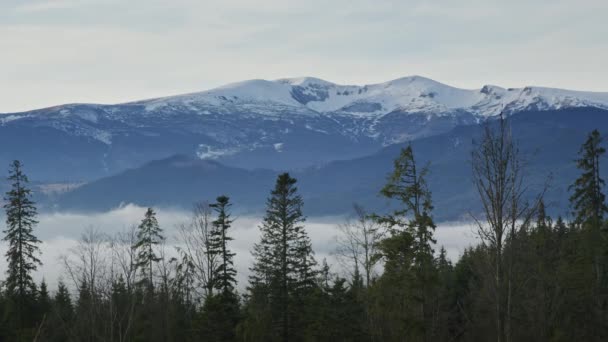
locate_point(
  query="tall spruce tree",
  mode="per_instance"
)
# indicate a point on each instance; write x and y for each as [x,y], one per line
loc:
[43,300]
[407,184]
[283,257]
[221,311]
[411,226]
[588,200]
[149,235]
[23,250]
[225,273]
[61,318]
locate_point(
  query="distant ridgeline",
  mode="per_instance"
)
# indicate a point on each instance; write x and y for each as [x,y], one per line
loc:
[339,140]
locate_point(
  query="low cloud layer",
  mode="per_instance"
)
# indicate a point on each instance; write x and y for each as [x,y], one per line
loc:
[61,231]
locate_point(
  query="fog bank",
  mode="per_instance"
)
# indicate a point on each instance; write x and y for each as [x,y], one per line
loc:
[61,231]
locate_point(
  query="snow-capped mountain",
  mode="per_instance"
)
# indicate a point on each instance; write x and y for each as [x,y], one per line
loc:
[414,94]
[281,124]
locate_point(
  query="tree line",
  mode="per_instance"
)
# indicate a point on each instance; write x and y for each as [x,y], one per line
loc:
[529,278]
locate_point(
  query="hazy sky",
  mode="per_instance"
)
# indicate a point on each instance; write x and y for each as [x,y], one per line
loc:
[107,51]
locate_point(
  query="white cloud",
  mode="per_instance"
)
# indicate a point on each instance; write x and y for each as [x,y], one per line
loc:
[60,231]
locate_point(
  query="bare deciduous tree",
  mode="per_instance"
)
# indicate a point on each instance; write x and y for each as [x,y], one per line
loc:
[195,238]
[123,259]
[123,254]
[357,244]
[86,265]
[498,175]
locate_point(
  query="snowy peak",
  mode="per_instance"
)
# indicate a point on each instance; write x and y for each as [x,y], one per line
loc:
[245,91]
[312,96]
[305,81]
[512,100]
[412,94]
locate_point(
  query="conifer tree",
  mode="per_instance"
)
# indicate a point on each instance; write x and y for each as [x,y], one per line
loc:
[407,184]
[225,273]
[120,298]
[85,327]
[23,250]
[149,235]
[221,311]
[61,316]
[306,266]
[63,302]
[43,300]
[588,200]
[283,257]
[411,226]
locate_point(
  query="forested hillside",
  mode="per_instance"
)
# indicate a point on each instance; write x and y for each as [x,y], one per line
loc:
[531,277]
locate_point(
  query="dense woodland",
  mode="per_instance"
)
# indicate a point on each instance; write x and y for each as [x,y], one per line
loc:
[530,278]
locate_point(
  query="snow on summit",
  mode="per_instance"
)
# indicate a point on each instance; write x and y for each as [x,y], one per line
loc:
[412,94]
[407,95]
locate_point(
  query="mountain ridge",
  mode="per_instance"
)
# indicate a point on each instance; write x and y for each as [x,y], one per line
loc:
[422,87]
[549,143]
[282,124]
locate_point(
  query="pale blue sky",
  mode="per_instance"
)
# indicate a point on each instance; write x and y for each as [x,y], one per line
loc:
[109,51]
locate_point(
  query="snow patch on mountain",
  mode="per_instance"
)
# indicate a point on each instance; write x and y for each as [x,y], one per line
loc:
[413,94]
[210,152]
[252,94]
[4,119]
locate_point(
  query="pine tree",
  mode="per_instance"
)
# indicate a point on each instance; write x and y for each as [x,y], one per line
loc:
[588,200]
[23,251]
[42,311]
[121,303]
[86,320]
[407,184]
[221,311]
[44,300]
[283,257]
[225,273]
[306,266]
[63,302]
[149,235]
[60,315]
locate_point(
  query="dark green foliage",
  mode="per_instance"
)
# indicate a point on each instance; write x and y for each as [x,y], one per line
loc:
[225,274]
[587,199]
[22,254]
[149,235]
[43,303]
[59,318]
[410,273]
[121,302]
[283,271]
[588,202]
[220,316]
[557,284]
[336,313]
[221,312]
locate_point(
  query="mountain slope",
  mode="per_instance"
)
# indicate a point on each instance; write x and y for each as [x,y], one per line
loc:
[283,124]
[549,142]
